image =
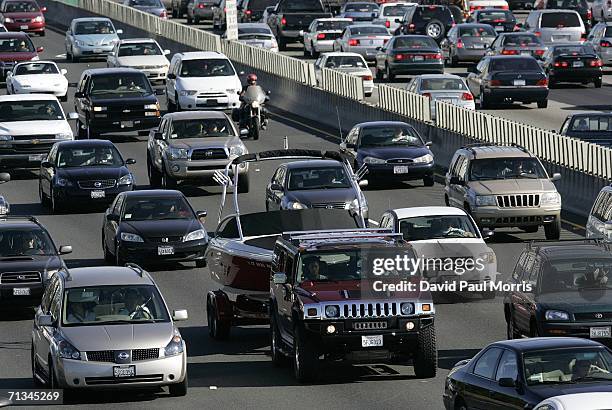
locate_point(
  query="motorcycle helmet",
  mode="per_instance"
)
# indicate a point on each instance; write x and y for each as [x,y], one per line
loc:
[251,79]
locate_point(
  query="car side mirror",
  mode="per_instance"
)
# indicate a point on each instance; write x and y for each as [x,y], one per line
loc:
[241,73]
[46,164]
[399,21]
[112,217]
[166,52]
[159,91]
[171,76]
[65,249]
[45,320]
[120,31]
[555,177]
[40,49]
[130,161]
[79,94]
[64,71]
[158,135]
[456,181]
[202,214]
[275,187]
[363,183]
[428,144]
[507,382]
[488,233]
[374,15]
[379,48]
[4,177]
[73,115]
[279,278]
[43,9]
[302,33]
[180,315]
[244,131]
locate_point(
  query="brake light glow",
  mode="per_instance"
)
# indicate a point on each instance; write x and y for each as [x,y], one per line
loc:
[353,42]
[411,26]
[542,83]
[605,43]
[367,77]
[539,52]
[589,14]
[509,52]
[517,28]
[385,41]
[505,7]
[400,56]
[495,83]
[387,24]
[596,63]
[320,36]
[436,56]
[561,64]
[283,21]
[248,12]
[467,97]
[201,6]
[537,33]
[163,14]
[459,43]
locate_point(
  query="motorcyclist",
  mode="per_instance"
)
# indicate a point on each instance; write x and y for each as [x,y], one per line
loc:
[244,108]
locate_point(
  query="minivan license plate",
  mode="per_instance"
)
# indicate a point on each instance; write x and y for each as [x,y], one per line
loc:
[124,371]
[21,291]
[600,332]
[165,250]
[371,341]
[98,194]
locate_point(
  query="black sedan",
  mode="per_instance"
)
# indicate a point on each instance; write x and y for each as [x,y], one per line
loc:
[518,374]
[391,151]
[501,20]
[314,184]
[501,79]
[84,172]
[594,127]
[153,226]
[573,63]
[411,54]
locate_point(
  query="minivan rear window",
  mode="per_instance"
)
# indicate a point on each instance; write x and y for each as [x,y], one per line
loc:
[561,19]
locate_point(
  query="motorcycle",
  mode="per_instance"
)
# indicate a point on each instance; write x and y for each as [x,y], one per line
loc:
[253,116]
[4,205]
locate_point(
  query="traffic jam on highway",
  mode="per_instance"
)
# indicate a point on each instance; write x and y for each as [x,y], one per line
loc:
[167,235]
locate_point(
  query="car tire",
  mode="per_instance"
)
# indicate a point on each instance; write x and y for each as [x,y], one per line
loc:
[167,182]
[483,103]
[435,29]
[189,20]
[313,52]
[278,358]
[81,133]
[282,44]
[529,229]
[446,200]
[44,199]
[379,74]
[511,331]
[426,354]
[174,13]
[217,329]
[42,33]
[108,257]
[171,105]
[91,134]
[243,184]
[64,98]
[196,20]
[52,380]
[428,180]
[460,404]
[179,389]
[388,73]
[454,61]
[533,329]
[552,82]
[305,357]
[553,230]
[153,174]
[56,207]
[597,82]
[119,260]
[543,104]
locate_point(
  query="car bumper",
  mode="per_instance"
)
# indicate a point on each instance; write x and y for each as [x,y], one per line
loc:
[368,53]
[368,86]
[155,74]
[417,68]
[293,34]
[77,196]
[56,91]
[203,13]
[8,298]
[137,124]
[324,46]
[146,251]
[80,374]
[522,94]
[416,171]
[201,169]
[573,329]
[471,55]
[606,55]
[576,74]
[492,216]
[27,27]
[87,51]
[193,102]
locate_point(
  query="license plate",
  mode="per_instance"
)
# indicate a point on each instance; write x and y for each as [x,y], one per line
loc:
[419,58]
[401,169]
[371,341]
[478,46]
[38,157]
[127,124]
[600,332]
[124,371]
[21,291]
[577,64]
[448,100]
[211,102]
[165,250]
[97,50]
[519,82]
[24,27]
[525,53]
[257,44]
[98,194]
[499,28]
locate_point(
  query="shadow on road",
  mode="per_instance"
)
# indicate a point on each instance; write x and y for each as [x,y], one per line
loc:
[448,358]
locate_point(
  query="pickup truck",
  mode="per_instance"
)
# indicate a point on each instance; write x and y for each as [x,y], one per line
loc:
[292,16]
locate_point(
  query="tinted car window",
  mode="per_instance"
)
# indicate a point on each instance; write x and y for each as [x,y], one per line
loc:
[522,40]
[415,42]
[142,49]
[389,136]
[146,3]
[302,5]
[477,32]
[93,27]
[560,19]
[253,30]
[505,168]
[435,84]
[515,64]
[318,178]
[486,364]
[566,4]
[20,7]
[508,367]
[118,85]
[574,49]
[206,68]
[576,274]
[608,32]
[201,128]
[496,16]
[25,242]
[16,45]
[432,227]
[567,365]
[344,61]
[261,4]
[107,156]
[592,123]
[332,25]
[433,12]
[395,11]
[142,209]
[36,68]
[30,111]
[361,7]
[369,30]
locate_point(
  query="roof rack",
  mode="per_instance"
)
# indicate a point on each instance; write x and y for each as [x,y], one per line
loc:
[367,233]
[537,243]
[135,268]
[476,145]
[22,217]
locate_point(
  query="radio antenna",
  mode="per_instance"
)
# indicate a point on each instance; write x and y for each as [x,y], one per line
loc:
[339,124]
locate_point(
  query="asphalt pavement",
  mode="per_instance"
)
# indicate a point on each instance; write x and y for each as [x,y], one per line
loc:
[239,373]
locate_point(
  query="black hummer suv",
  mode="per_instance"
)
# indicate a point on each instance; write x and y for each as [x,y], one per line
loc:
[326,302]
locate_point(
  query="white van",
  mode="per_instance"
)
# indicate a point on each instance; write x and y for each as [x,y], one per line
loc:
[599,224]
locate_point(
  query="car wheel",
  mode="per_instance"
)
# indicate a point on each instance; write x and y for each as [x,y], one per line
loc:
[543,104]
[52,381]
[553,230]
[217,329]
[597,82]
[153,174]
[177,103]
[189,20]
[426,355]
[533,329]
[428,180]
[243,184]
[313,52]
[454,61]
[196,20]
[305,357]
[44,200]
[282,44]
[200,263]
[435,29]
[388,73]
[42,33]
[379,74]
[108,257]
[64,97]
[483,103]
[174,13]
[278,358]
[171,105]
[167,182]
[56,206]
[81,133]
[179,389]
[119,259]
[460,404]
[73,58]
[91,134]
[446,200]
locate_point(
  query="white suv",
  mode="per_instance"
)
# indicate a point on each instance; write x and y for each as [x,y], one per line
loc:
[202,80]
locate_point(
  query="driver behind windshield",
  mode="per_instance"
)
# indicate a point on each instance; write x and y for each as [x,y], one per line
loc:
[593,277]
[135,306]
[312,269]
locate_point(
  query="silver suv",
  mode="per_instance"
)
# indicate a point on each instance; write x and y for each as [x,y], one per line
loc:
[104,327]
[556,26]
[193,145]
[504,186]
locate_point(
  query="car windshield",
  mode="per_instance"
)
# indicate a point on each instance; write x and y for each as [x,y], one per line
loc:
[495,16]
[576,274]
[574,49]
[317,178]
[201,128]
[119,85]
[207,68]
[113,305]
[20,7]
[16,45]
[437,227]
[102,156]
[139,49]
[515,64]
[414,42]
[567,365]
[506,168]
[303,5]
[522,40]
[11,111]
[560,19]
[441,84]
[332,25]
[365,30]
[395,11]
[566,4]
[593,123]
[25,242]
[477,31]
[361,7]
[36,68]
[94,27]
[157,208]
[345,62]
[146,3]
[390,135]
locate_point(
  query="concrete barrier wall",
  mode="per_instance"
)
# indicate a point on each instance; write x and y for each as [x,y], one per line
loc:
[578,189]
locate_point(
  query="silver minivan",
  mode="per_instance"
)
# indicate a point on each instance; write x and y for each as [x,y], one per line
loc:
[556,26]
[599,224]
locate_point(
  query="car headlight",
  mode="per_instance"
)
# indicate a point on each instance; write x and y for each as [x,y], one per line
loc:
[130,237]
[485,200]
[372,160]
[546,407]
[79,43]
[64,136]
[98,109]
[8,20]
[425,159]
[38,19]
[65,350]
[556,315]
[5,207]
[195,235]
[255,104]
[407,309]
[184,93]
[6,137]
[296,205]
[550,198]
[177,153]
[332,311]
[151,107]
[237,150]
[175,346]
[126,180]
[487,257]
[63,182]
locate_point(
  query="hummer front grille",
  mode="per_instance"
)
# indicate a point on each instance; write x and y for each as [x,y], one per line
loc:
[518,201]
[367,310]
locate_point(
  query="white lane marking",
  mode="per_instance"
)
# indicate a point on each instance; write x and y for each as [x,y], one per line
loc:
[373,222]
[60,56]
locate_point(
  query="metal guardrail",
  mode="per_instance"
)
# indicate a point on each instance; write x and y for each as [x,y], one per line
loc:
[558,149]
[347,85]
[402,102]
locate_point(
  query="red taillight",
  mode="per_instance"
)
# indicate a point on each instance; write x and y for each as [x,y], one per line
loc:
[367,77]
[411,26]
[385,41]
[509,52]
[472,8]
[459,43]
[537,33]
[505,7]
[320,36]
[163,14]
[428,95]
[517,28]
[605,43]
[201,6]
[539,52]
[400,56]
[353,42]
[596,63]
[543,82]
[589,14]
[387,24]
[467,97]
[436,56]
[283,21]
[499,21]
[248,12]
[432,7]
[561,64]
[495,83]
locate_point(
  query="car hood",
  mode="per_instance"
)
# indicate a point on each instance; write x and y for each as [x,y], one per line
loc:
[124,100]
[314,196]
[85,173]
[96,39]
[118,337]
[169,227]
[17,56]
[209,83]
[551,390]
[143,60]
[23,14]
[393,152]
[213,142]
[356,290]
[450,247]
[30,263]
[589,300]
[37,79]
[34,127]
[512,186]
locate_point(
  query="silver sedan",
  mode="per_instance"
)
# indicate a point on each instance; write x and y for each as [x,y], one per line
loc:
[363,39]
[257,35]
[155,7]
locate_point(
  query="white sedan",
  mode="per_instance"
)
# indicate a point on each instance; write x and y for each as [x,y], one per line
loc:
[349,63]
[33,77]
[577,401]
[144,54]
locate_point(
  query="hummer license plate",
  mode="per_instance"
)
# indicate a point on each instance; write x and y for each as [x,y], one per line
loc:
[600,332]
[371,341]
